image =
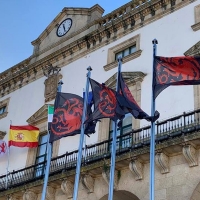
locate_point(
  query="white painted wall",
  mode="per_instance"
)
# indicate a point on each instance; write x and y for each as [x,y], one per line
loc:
[174,35]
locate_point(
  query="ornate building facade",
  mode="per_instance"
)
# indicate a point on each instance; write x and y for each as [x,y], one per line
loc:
[81,37]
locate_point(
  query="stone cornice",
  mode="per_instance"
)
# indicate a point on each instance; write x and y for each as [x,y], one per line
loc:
[109,28]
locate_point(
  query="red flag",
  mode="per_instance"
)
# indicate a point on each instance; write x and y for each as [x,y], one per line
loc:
[128,103]
[184,70]
[3,147]
[105,103]
[67,117]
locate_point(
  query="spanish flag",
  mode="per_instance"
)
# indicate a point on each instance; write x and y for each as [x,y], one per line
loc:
[23,136]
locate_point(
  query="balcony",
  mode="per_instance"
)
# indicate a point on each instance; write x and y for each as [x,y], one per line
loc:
[171,134]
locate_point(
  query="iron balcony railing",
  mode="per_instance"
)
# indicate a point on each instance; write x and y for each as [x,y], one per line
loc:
[173,127]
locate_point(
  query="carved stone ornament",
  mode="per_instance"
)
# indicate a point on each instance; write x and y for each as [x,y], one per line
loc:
[29,195]
[162,161]
[13,198]
[106,177]
[50,193]
[136,168]
[51,84]
[190,155]
[67,188]
[88,183]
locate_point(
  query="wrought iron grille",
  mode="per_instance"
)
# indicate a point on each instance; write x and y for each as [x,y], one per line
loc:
[173,127]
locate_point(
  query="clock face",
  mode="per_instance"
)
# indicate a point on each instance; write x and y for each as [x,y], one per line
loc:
[64,27]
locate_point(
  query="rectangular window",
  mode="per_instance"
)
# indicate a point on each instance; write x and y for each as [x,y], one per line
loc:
[41,155]
[126,52]
[123,141]
[128,49]
[4,108]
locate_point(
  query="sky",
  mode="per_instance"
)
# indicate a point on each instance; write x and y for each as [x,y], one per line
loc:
[22,21]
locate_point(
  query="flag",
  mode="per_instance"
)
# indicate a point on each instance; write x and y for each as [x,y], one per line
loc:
[67,117]
[128,103]
[3,147]
[23,136]
[50,115]
[105,103]
[184,70]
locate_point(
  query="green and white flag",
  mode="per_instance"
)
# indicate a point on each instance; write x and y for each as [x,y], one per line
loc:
[50,115]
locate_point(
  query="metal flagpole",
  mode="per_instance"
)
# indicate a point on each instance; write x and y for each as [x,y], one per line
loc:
[49,154]
[7,168]
[152,144]
[112,168]
[78,165]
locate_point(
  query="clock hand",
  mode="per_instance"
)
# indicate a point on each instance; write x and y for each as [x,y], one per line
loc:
[64,27]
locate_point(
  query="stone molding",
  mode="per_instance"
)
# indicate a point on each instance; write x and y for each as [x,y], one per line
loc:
[88,183]
[67,188]
[106,177]
[2,134]
[194,50]
[190,155]
[129,77]
[29,195]
[39,116]
[196,26]
[111,27]
[162,161]
[125,59]
[50,193]
[136,167]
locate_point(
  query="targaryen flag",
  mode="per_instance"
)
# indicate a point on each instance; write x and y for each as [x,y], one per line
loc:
[105,103]
[67,117]
[128,103]
[184,70]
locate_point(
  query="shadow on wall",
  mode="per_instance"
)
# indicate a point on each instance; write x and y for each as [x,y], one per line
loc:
[121,194]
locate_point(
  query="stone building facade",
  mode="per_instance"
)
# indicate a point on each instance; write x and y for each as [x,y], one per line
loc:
[81,37]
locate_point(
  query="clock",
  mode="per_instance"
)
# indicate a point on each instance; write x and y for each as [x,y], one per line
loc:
[64,27]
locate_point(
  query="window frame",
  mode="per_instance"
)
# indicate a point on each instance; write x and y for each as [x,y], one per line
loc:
[112,63]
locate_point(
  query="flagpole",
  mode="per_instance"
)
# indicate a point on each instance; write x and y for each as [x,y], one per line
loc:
[7,168]
[78,165]
[113,155]
[152,144]
[49,153]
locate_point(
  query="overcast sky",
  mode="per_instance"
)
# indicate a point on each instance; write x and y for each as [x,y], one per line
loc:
[22,21]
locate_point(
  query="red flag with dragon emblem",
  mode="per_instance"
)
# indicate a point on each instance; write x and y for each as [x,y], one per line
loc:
[3,147]
[105,103]
[67,117]
[128,103]
[184,70]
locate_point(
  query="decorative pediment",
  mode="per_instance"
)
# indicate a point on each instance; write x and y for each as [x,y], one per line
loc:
[79,18]
[39,116]
[129,77]
[2,134]
[194,50]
